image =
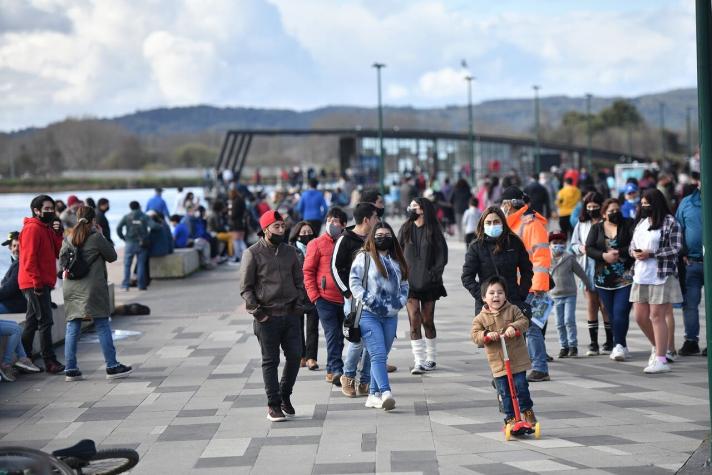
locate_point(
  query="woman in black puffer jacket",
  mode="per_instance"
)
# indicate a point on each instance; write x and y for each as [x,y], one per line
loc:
[496,250]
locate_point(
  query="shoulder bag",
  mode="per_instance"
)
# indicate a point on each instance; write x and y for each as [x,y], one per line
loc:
[350,327]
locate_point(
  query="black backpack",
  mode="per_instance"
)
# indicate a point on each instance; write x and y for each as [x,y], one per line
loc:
[73,264]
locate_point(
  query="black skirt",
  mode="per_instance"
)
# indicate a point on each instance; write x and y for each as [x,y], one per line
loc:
[428,295]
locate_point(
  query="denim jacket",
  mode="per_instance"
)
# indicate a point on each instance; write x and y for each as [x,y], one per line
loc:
[383,296]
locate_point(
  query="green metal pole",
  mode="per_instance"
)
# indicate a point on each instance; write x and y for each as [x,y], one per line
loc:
[537,151]
[471,123]
[662,129]
[688,123]
[588,132]
[704,101]
[381,163]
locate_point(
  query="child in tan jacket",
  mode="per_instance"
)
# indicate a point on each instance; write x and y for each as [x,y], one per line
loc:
[501,317]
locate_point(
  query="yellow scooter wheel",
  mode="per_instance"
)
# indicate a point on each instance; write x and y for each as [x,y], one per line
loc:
[537,431]
[508,432]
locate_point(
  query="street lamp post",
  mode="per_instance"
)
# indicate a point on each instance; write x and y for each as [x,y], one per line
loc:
[688,123]
[381,152]
[662,130]
[588,131]
[537,151]
[471,123]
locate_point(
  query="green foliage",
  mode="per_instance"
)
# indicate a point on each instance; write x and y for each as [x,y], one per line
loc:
[620,114]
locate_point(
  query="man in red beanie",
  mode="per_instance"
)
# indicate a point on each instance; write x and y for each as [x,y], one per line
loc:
[272,285]
[69,215]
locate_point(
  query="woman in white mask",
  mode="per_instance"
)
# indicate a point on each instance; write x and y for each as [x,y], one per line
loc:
[497,250]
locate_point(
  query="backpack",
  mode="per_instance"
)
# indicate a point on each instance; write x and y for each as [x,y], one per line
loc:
[73,264]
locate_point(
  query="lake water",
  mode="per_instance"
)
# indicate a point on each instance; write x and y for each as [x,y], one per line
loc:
[16,206]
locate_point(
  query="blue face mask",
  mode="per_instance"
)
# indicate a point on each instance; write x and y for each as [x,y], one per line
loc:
[558,249]
[493,230]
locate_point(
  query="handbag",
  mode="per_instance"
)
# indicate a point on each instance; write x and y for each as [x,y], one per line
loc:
[350,327]
[523,306]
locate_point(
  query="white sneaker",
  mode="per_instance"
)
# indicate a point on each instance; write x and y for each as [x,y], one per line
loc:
[652,356]
[626,353]
[374,401]
[671,356]
[657,366]
[387,400]
[417,369]
[618,353]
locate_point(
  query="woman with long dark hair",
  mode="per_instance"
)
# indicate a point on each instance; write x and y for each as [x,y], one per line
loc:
[590,216]
[238,225]
[425,253]
[301,234]
[497,250]
[88,297]
[607,243]
[656,243]
[383,291]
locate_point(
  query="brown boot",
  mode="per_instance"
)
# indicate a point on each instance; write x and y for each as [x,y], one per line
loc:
[312,365]
[52,366]
[348,386]
[391,368]
[303,363]
[529,416]
[362,390]
[329,378]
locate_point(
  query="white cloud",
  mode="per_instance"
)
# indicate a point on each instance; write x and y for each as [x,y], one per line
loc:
[397,92]
[443,83]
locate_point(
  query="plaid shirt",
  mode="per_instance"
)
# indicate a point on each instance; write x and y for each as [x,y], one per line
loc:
[669,249]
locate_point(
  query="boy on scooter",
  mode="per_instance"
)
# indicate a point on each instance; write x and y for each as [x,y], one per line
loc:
[496,318]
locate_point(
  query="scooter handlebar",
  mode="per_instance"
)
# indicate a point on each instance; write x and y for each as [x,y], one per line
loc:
[501,335]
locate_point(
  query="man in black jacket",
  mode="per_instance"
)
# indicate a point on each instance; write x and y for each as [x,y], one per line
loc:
[102,207]
[538,197]
[12,300]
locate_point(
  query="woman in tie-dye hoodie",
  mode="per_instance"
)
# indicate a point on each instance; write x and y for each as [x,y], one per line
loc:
[384,293]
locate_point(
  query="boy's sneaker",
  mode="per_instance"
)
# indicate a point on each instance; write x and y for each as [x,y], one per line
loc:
[429,365]
[529,416]
[374,401]
[606,348]
[593,350]
[689,348]
[348,388]
[7,373]
[538,376]
[387,401]
[287,407]
[26,364]
[618,353]
[73,375]
[362,389]
[564,353]
[657,366]
[275,414]
[417,369]
[118,372]
[671,356]
[573,352]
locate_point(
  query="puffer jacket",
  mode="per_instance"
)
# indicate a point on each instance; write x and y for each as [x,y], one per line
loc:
[88,297]
[348,244]
[530,226]
[318,278]
[271,280]
[498,321]
[383,296]
[10,294]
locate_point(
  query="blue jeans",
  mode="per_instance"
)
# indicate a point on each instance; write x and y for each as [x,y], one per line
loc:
[134,249]
[378,334]
[103,331]
[522,387]
[694,280]
[14,346]
[566,320]
[354,354]
[331,316]
[537,348]
[618,307]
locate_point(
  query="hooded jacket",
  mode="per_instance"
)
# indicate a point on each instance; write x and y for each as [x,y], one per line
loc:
[530,226]
[318,280]
[39,249]
[348,244]
[10,294]
[426,261]
[382,296]
[498,321]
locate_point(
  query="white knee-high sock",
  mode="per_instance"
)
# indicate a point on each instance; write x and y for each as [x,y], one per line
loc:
[431,350]
[418,347]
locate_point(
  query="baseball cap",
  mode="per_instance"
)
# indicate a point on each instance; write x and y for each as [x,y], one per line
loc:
[512,193]
[270,217]
[631,188]
[11,236]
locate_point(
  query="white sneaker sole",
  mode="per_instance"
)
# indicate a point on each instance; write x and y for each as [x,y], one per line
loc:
[417,370]
[656,371]
[388,404]
[276,419]
[29,369]
[71,379]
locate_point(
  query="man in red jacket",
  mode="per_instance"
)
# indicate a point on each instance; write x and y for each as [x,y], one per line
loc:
[40,241]
[322,290]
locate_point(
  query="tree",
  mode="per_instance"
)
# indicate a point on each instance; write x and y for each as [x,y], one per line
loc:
[620,114]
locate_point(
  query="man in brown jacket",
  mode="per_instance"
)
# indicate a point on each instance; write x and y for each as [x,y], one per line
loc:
[272,285]
[498,317]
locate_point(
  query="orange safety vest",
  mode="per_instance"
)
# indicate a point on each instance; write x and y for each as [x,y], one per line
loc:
[532,229]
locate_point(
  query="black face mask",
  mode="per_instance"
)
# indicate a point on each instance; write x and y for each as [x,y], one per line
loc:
[615,218]
[380,212]
[47,217]
[594,214]
[646,211]
[304,239]
[276,239]
[384,243]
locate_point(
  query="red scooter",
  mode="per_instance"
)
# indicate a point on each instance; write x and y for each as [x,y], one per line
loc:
[519,426]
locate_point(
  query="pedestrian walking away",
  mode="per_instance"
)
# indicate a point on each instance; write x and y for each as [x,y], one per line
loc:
[426,254]
[272,285]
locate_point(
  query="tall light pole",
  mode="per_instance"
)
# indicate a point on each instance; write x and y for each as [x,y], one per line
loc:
[688,123]
[662,130]
[537,151]
[381,152]
[588,131]
[471,123]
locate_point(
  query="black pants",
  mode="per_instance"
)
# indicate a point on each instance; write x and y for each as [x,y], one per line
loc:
[38,317]
[316,227]
[310,337]
[565,225]
[276,332]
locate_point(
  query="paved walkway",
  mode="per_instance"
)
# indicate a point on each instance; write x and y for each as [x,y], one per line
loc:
[195,403]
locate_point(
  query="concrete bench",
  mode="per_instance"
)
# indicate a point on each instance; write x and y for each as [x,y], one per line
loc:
[181,263]
[59,328]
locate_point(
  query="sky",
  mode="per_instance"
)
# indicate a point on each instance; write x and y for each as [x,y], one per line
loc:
[104,58]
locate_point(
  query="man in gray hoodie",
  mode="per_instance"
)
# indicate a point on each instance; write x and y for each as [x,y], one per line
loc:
[134,229]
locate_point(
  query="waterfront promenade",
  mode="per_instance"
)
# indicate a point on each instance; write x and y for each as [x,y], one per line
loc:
[195,402]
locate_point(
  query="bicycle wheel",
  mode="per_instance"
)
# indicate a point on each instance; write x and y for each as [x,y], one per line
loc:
[23,460]
[111,462]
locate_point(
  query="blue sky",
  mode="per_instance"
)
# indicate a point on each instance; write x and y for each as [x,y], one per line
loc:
[61,58]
